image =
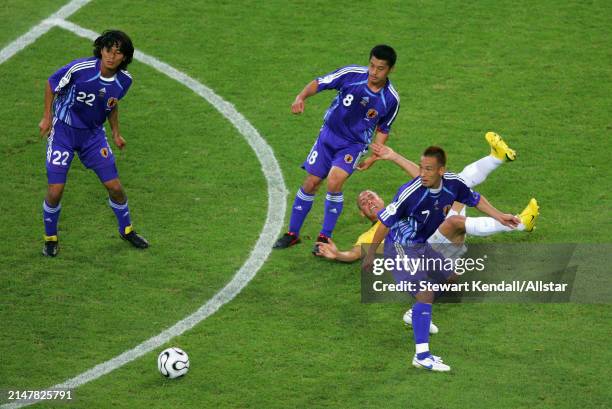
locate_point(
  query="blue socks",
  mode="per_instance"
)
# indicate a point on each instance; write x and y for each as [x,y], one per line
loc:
[421,319]
[301,206]
[50,217]
[334,203]
[122,212]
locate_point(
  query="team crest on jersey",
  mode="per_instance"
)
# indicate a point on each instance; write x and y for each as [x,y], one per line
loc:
[102,92]
[348,158]
[112,101]
[364,101]
[104,152]
[446,210]
[372,113]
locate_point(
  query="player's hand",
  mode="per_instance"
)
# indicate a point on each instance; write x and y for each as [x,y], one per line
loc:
[367,163]
[119,141]
[298,105]
[44,126]
[509,220]
[382,151]
[328,250]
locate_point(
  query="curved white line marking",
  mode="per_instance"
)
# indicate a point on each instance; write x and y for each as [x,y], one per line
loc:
[274,220]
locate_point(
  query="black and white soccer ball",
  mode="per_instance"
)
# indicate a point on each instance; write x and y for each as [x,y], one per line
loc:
[173,363]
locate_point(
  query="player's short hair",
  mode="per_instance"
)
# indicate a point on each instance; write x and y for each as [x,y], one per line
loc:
[384,52]
[117,38]
[436,152]
[359,194]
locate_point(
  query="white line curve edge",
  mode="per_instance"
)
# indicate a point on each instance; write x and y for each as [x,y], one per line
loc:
[277,195]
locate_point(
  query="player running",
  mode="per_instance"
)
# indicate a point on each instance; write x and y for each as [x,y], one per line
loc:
[366,105]
[417,215]
[84,94]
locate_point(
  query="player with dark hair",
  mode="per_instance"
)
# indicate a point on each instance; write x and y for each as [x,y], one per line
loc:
[417,216]
[79,98]
[366,104]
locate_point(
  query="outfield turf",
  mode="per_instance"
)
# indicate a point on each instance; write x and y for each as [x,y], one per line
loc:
[298,336]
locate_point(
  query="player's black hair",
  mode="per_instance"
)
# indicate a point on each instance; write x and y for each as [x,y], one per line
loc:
[384,52]
[436,152]
[111,38]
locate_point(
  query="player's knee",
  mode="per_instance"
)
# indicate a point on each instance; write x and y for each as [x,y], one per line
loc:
[456,223]
[116,192]
[311,185]
[54,194]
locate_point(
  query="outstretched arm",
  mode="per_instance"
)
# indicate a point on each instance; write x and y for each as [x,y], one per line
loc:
[386,153]
[309,90]
[380,139]
[504,218]
[45,123]
[331,252]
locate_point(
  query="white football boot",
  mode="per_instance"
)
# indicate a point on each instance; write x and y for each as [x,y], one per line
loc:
[431,363]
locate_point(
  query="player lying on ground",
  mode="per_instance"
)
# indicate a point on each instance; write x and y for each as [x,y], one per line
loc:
[366,104]
[84,94]
[417,216]
[370,203]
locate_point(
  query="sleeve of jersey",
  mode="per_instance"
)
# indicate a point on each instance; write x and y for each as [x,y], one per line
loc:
[127,83]
[335,79]
[467,196]
[61,77]
[384,125]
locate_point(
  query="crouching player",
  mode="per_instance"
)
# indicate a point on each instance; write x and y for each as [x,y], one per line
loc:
[417,215]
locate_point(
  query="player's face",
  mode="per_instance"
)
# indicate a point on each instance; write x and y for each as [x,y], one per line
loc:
[378,72]
[431,172]
[112,57]
[370,204]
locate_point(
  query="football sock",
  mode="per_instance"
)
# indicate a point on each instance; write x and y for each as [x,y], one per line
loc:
[453,212]
[421,319]
[301,206]
[486,226]
[476,172]
[334,203]
[122,212]
[50,217]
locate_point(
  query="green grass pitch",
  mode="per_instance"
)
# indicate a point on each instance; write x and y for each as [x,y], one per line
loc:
[538,73]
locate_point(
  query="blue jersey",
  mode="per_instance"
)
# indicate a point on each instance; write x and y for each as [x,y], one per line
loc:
[357,112]
[417,211]
[84,97]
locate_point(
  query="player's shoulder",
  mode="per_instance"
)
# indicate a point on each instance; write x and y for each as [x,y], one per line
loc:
[392,91]
[124,77]
[453,179]
[409,189]
[81,64]
[342,72]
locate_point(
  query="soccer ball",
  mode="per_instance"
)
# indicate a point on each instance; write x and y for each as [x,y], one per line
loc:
[173,362]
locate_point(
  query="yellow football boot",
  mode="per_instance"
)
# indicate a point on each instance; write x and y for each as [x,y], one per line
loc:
[530,214]
[499,148]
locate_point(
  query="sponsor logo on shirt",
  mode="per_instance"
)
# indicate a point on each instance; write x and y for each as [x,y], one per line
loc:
[364,101]
[102,92]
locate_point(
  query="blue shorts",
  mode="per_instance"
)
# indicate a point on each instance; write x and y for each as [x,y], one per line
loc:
[429,262]
[90,144]
[331,150]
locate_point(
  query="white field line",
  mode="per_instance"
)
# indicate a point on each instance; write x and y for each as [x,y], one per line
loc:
[274,220]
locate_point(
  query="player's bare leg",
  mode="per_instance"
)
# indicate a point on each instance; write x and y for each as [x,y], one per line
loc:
[117,200]
[51,212]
